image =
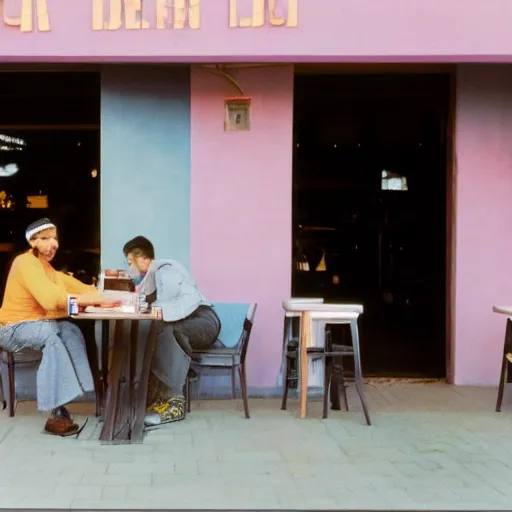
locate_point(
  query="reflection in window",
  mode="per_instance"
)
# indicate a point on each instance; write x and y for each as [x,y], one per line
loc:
[8,143]
[37,202]
[393,181]
[8,170]
[6,200]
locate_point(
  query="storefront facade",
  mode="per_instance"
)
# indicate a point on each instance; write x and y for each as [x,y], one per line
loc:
[221,201]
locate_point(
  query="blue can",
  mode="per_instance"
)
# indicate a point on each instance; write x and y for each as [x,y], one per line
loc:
[73,306]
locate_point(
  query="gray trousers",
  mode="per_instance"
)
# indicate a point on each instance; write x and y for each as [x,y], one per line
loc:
[176,342]
[64,373]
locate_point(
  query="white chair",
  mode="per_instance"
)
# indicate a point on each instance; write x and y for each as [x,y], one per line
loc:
[316,314]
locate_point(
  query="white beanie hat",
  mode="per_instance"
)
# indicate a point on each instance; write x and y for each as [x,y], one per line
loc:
[37,227]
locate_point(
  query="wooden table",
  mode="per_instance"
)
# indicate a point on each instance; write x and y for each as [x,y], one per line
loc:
[126,389]
[306,339]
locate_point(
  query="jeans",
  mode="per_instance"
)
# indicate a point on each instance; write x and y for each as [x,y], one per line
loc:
[176,342]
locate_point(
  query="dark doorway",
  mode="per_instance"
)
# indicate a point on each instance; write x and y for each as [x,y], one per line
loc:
[370,173]
[49,162]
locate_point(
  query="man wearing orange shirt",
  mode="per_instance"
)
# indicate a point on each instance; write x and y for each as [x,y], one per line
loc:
[31,317]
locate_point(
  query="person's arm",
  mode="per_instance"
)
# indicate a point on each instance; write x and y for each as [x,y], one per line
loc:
[73,285]
[87,294]
[48,295]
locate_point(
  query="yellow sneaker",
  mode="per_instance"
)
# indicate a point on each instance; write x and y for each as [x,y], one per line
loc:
[166,411]
[160,406]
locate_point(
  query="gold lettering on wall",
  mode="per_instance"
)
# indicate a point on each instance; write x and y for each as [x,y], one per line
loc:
[180,11]
[293,14]
[179,14]
[11,22]
[26,20]
[26,16]
[115,21]
[272,18]
[43,18]
[133,15]
[233,13]
[256,20]
[173,14]
[162,14]
[194,14]
[116,15]
[258,14]
[97,14]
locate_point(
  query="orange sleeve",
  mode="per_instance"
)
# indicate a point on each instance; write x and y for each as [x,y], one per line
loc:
[75,286]
[49,296]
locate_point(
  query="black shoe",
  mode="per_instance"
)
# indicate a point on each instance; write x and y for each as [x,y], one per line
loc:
[192,375]
[61,412]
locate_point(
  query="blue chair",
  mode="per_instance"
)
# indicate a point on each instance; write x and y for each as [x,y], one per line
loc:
[230,350]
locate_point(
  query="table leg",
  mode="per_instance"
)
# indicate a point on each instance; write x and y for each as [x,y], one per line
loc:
[126,378]
[112,404]
[134,355]
[141,386]
[105,348]
[304,342]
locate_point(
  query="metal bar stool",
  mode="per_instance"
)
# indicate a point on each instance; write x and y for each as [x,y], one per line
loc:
[326,314]
[334,354]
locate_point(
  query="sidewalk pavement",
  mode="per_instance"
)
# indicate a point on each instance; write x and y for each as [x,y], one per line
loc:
[432,446]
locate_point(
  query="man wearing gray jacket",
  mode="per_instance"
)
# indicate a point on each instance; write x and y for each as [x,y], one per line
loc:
[189,323]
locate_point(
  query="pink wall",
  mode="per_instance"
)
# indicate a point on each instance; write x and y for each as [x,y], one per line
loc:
[484,220]
[241,204]
[335,30]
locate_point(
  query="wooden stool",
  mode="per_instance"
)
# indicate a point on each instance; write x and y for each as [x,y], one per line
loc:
[290,345]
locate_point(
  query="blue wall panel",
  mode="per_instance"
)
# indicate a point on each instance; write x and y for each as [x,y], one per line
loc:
[145,160]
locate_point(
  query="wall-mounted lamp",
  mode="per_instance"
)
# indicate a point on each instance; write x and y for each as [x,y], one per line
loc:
[237,114]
